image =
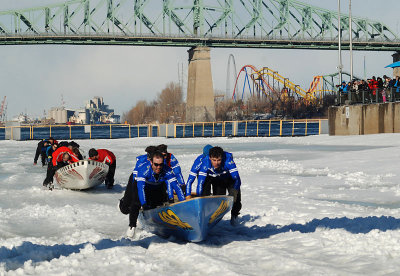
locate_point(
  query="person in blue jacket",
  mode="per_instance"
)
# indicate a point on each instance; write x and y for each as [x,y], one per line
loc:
[142,159]
[154,184]
[194,171]
[219,171]
[49,152]
[343,87]
[172,162]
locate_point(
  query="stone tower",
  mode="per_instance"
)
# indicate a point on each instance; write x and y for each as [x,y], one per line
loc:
[200,93]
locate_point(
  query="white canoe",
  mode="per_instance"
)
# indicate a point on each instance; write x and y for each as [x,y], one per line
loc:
[81,175]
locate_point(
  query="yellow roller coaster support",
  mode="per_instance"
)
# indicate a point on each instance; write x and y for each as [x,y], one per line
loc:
[308,95]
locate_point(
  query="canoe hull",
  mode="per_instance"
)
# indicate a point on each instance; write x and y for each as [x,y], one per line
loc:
[81,175]
[188,220]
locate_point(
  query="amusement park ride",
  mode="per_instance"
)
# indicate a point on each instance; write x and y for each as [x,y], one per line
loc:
[268,83]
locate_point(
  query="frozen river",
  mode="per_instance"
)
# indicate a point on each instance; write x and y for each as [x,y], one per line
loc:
[316,205]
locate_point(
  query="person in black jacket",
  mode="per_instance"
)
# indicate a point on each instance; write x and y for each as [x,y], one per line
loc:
[49,152]
[63,144]
[74,146]
[41,150]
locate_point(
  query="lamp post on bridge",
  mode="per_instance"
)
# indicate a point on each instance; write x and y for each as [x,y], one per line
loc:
[351,47]
[340,66]
[351,41]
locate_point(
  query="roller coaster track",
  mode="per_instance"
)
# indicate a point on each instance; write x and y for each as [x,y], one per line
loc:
[265,80]
[259,82]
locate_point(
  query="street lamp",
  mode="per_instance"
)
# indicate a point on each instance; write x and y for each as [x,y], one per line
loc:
[351,47]
[340,66]
[351,42]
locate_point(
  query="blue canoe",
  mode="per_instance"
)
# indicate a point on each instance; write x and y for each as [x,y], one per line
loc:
[188,220]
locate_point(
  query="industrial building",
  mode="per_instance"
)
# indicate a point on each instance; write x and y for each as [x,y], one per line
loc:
[60,114]
[94,112]
[100,112]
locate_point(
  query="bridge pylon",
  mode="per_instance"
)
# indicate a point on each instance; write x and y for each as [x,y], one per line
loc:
[200,93]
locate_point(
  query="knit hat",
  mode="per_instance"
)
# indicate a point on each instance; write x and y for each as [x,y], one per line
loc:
[206,149]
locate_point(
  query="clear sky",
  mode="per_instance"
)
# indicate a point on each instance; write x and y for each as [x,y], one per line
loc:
[34,77]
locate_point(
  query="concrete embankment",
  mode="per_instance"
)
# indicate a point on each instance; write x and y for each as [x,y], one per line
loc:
[364,119]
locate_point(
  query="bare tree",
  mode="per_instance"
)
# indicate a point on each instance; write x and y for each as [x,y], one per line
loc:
[227,110]
[137,114]
[168,107]
[171,108]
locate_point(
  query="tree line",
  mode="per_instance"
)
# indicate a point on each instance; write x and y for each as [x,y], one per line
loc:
[169,107]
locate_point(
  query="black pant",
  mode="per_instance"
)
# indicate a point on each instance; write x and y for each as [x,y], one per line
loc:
[49,174]
[51,171]
[219,186]
[110,175]
[130,203]
[183,188]
[43,156]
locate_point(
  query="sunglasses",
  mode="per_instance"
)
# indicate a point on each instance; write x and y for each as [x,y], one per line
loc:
[158,164]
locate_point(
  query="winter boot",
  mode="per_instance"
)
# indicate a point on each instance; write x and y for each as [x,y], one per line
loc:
[130,233]
[234,220]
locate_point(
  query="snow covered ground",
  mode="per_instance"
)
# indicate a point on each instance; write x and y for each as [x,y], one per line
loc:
[315,205]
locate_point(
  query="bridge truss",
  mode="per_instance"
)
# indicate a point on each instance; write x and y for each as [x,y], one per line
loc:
[214,23]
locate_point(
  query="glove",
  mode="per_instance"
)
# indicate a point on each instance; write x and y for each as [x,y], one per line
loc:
[234,194]
[183,187]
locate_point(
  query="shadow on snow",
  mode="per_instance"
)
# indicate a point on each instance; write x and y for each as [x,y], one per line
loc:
[222,234]
[100,189]
[225,233]
[14,258]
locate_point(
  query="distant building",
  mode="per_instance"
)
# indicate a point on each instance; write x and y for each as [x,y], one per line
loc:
[82,116]
[47,121]
[95,111]
[60,115]
[100,112]
[21,118]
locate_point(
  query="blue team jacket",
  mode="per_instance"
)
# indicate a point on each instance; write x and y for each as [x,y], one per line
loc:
[140,161]
[49,152]
[194,171]
[173,163]
[145,177]
[227,169]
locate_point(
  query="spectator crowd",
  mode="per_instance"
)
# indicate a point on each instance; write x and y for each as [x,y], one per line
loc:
[371,90]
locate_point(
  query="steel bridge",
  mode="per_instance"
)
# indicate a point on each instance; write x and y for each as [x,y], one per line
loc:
[212,23]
